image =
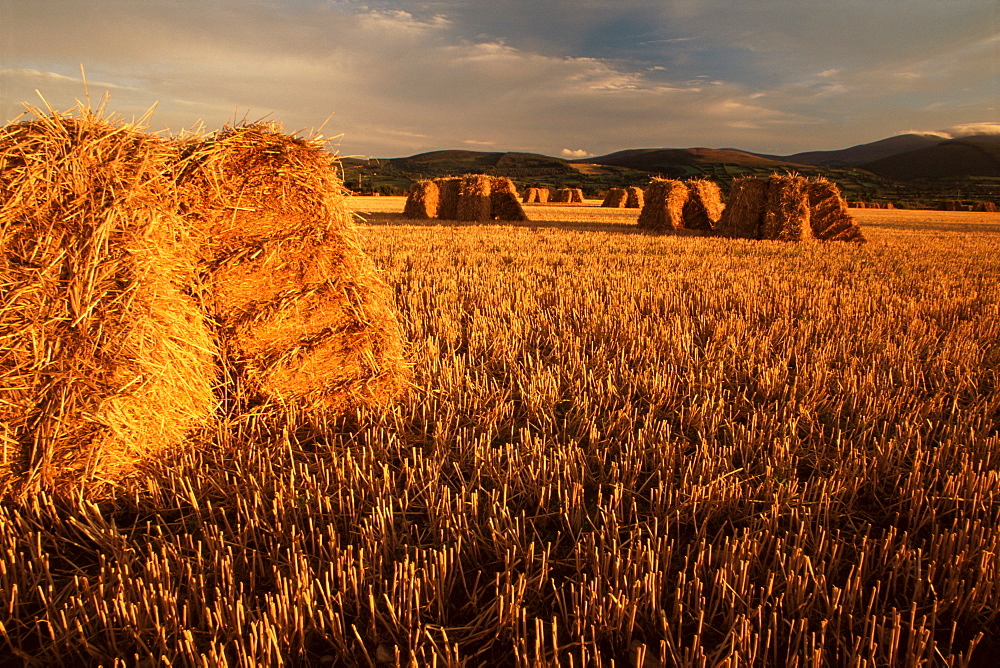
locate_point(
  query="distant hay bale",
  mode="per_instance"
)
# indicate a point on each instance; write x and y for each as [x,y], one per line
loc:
[448,191]
[951,205]
[530,195]
[634,198]
[304,319]
[474,199]
[504,204]
[985,207]
[744,214]
[786,214]
[568,196]
[422,200]
[828,215]
[703,207]
[107,363]
[663,208]
[543,195]
[615,199]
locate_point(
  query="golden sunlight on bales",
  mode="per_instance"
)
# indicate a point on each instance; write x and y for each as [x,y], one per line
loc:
[145,281]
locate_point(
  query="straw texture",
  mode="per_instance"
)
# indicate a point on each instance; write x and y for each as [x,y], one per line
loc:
[106,361]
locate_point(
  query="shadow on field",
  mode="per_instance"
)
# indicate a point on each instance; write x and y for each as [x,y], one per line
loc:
[382,218]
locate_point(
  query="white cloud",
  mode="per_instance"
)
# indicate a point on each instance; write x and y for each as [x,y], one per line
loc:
[575,153]
[967,129]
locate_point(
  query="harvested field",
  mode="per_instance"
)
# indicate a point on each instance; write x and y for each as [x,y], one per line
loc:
[622,447]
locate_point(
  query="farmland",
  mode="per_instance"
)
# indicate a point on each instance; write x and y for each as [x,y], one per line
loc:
[618,447]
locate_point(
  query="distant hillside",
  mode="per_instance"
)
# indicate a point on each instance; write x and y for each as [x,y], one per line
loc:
[666,160]
[977,156]
[455,162]
[862,153]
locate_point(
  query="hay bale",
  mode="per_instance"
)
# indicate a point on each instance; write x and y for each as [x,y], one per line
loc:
[107,363]
[703,207]
[504,204]
[543,195]
[663,208]
[786,213]
[474,199]
[828,215]
[305,320]
[530,195]
[561,196]
[448,190]
[576,196]
[422,200]
[985,207]
[744,214]
[615,199]
[635,197]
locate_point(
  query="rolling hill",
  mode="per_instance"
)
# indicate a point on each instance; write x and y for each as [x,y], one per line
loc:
[977,156]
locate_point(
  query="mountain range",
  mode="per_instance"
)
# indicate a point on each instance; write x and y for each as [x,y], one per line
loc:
[908,166]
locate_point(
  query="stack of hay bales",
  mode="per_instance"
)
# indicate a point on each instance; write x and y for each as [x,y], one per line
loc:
[472,198]
[422,200]
[107,362]
[985,207]
[742,217]
[568,196]
[504,204]
[540,195]
[787,207]
[703,207]
[615,199]
[663,209]
[634,198]
[305,322]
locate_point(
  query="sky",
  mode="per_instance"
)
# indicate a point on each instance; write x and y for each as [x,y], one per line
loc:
[570,78]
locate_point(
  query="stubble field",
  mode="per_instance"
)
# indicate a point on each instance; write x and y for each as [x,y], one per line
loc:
[621,448]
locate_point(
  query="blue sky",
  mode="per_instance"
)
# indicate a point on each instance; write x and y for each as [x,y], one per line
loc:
[571,77]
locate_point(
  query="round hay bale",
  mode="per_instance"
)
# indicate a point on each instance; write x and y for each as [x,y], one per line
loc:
[703,207]
[635,197]
[663,208]
[107,363]
[744,214]
[828,215]
[305,320]
[615,199]
[422,200]
[504,204]
[474,199]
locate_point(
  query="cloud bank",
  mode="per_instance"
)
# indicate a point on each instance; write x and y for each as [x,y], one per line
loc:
[405,77]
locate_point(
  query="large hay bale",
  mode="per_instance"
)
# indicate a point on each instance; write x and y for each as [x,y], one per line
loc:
[504,204]
[305,320]
[828,215]
[786,213]
[448,190]
[615,199]
[474,199]
[635,197]
[744,214]
[703,207]
[663,208]
[106,361]
[422,200]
